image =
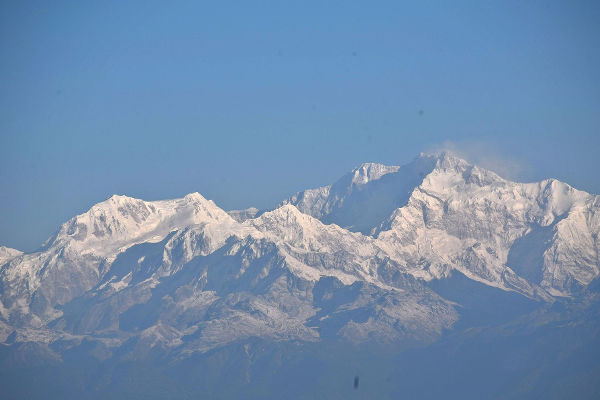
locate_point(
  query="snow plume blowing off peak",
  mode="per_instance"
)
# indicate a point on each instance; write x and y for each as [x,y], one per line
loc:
[484,155]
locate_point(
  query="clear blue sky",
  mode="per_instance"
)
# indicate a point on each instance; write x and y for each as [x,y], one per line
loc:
[248,102]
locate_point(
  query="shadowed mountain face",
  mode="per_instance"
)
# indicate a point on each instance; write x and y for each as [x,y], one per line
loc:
[390,274]
[362,199]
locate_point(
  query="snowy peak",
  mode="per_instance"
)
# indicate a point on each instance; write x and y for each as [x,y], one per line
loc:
[7,254]
[364,197]
[440,212]
[289,226]
[286,223]
[470,219]
[123,221]
[559,197]
[446,160]
[452,171]
[322,201]
[203,210]
[368,172]
[85,248]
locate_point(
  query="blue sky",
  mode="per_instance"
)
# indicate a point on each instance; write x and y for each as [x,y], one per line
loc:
[248,103]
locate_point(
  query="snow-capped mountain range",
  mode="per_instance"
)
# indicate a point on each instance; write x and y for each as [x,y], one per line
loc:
[351,261]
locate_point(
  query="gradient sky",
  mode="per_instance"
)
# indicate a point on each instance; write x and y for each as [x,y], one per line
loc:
[248,102]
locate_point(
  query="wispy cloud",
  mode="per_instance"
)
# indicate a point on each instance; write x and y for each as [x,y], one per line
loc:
[486,155]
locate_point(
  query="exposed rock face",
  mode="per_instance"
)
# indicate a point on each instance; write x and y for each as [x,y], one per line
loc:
[243,215]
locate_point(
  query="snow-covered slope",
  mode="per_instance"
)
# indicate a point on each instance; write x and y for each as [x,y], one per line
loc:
[466,218]
[351,260]
[439,213]
[7,254]
[283,276]
[122,221]
[364,197]
[83,249]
